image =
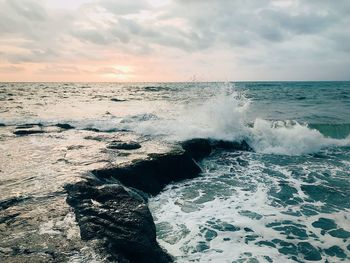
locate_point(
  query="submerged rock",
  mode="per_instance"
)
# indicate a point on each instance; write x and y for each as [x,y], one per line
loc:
[65,126]
[117,100]
[28,126]
[131,145]
[27,132]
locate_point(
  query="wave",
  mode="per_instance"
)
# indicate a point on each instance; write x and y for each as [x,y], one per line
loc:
[224,117]
[338,131]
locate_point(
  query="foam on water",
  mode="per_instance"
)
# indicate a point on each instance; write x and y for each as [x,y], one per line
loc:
[224,117]
[249,207]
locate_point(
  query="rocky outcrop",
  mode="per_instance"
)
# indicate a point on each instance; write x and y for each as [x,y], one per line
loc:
[121,220]
[111,206]
[199,148]
[153,174]
[27,132]
[120,145]
[64,126]
[117,100]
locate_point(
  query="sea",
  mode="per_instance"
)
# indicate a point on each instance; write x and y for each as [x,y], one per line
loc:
[287,200]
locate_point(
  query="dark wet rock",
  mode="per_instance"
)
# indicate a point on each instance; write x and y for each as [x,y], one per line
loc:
[230,145]
[2,125]
[200,147]
[28,125]
[120,145]
[117,100]
[197,148]
[335,251]
[247,229]
[8,218]
[91,129]
[324,223]
[4,204]
[153,174]
[309,251]
[340,233]
[27,132]
[96,138]
[65,126]
[117,214]
[117,218]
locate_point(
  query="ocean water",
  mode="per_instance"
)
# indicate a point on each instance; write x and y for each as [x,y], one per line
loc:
[288,200]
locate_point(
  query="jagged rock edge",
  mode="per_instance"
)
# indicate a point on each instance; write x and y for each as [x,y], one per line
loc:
[98,201]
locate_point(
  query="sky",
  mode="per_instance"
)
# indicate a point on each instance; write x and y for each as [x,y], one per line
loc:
[174,40]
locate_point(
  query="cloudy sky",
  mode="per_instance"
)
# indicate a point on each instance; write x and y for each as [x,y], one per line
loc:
[174,40]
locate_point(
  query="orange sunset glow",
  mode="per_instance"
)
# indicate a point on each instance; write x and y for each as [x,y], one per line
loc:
[172,40]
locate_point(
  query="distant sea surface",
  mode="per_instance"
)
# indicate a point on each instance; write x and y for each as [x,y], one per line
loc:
[287,201]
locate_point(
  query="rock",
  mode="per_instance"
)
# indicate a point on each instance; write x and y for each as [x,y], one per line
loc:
[117,218]
[231,146]
[8,218]
[153,174]
[92,129]
[117,215]
[197,148]
[131,145]
[117,100]
[27,132]
[65,126]
[2,125]
[28,125]
[4,204]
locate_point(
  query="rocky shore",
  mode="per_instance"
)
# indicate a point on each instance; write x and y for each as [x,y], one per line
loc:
[109,198]
[112,204]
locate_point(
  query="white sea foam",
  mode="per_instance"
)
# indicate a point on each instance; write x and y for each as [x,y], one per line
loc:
[225,117]
[184,213]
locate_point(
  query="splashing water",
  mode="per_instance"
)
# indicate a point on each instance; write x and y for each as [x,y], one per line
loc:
[224,117]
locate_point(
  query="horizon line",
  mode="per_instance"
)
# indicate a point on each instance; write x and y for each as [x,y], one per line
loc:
[125,82]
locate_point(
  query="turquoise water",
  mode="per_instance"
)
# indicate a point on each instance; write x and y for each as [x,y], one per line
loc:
[286,201]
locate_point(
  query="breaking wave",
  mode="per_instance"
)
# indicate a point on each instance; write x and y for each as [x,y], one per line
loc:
[224,117]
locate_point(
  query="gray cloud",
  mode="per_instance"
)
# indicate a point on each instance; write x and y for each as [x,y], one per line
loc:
[261,32]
